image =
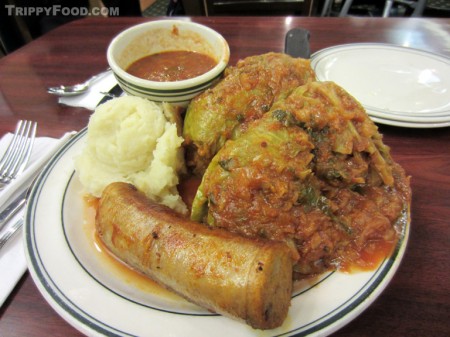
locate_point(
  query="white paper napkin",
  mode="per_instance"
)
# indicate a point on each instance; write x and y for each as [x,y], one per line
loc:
[93,96]
[12,256]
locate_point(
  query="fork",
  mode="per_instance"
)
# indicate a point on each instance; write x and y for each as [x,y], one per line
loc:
[18,152]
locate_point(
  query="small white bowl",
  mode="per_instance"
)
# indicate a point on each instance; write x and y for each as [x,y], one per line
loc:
[166,35]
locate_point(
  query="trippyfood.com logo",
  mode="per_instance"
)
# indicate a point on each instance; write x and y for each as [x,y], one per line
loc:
[59,10]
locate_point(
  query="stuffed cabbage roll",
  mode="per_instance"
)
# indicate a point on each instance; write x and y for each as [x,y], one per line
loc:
[247,91]
[313,172]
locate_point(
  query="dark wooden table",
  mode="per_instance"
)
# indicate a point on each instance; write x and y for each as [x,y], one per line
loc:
[415,303]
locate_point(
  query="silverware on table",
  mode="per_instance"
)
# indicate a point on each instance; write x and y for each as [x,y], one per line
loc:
[16,205]
[18,152]
[114,92]
[13,207]
[18,200]
[77,89]
[10,232]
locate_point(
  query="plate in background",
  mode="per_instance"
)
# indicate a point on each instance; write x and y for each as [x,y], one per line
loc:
[400,85]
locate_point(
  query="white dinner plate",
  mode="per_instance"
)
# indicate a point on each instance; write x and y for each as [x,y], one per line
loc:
[406,124]
[391,82]
[95,298]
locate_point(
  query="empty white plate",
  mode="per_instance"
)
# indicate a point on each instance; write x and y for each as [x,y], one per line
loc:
[393,83]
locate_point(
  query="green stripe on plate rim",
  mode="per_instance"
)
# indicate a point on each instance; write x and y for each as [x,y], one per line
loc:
[163,98]
[167,92]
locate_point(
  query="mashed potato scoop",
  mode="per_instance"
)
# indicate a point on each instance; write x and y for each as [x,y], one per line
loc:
[134,140]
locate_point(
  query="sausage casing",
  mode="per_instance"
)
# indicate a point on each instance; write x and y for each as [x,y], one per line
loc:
[247,279]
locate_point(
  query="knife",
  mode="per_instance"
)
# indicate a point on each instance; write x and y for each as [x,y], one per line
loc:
[296,43]
[116,91]
[13,207]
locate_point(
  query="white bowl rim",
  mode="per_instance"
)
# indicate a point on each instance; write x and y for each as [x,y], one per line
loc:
[172,85]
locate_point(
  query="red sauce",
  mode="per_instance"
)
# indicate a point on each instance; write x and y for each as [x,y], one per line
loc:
[369,257]
[172,66]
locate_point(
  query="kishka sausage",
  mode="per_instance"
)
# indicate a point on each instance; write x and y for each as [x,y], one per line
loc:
[247,279]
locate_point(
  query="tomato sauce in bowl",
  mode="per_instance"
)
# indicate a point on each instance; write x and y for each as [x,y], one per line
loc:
[172,66]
